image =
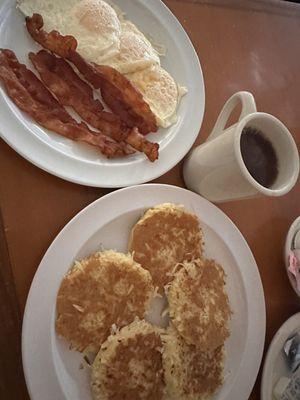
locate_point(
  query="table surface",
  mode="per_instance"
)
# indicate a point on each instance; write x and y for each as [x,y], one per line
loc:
[242,45]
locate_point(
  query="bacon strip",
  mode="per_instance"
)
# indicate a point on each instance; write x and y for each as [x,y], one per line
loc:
[53,41]
[117,91]
[72,91]
[31,96]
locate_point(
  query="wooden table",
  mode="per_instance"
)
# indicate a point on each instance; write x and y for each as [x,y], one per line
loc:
[242,45]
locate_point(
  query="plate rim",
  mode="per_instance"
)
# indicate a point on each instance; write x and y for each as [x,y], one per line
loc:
[66,167]
[255,340]
[279,338]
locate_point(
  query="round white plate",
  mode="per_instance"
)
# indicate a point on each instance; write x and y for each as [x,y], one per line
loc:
[79,162]
[52,370]
[275,364]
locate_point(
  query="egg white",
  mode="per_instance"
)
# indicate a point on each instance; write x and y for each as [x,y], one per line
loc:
[135,53]
[160,91]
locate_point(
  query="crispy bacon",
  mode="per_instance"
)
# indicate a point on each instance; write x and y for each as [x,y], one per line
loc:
[117,91]
[72,91]
[137,141]
[54,41]
[31,96]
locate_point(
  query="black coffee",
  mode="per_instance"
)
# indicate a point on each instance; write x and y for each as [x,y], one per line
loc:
[259,156]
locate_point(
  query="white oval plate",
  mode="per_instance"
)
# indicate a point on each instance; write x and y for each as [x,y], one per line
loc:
[80,163]
[52,370]
[275,364]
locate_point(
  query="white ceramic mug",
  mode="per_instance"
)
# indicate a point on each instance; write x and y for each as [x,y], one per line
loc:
[216,169]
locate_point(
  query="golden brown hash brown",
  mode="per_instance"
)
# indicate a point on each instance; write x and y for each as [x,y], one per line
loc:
[199,306]
[166,235]
[129,365]
[190,373]
[105,289]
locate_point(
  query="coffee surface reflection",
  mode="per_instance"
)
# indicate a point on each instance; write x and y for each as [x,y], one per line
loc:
[259,156]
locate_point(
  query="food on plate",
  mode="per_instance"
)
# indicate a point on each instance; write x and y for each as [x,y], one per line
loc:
[190,372]
[106,37]
[104,290]
[166,235]
[103,299]
[112,55]
[72,91]
[32,97]
[94,24]
[121,96]
[160,91]
[129,365]
[103,46]
[136,52]
[198,304]
[116,90]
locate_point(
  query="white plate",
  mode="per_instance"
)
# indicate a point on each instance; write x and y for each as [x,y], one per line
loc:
[52,370]
[80,163]
[275,364]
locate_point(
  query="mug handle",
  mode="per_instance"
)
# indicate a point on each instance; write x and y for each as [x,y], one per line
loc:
[248,107]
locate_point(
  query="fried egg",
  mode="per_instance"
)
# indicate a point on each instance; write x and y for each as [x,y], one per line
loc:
[136,52]
[94,24]
[160,91]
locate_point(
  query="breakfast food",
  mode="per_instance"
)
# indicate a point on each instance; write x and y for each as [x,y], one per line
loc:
[129,365]
[116,90]
[112,55]
[199,305]
[166,235]
[94,23]
[136,52]
[107,289]
[72,91]
[190,373]
[106,37]
[103,299]
[160,91]
[31,96]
